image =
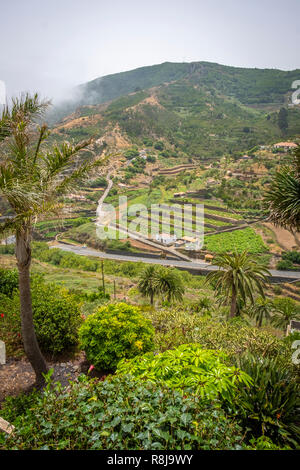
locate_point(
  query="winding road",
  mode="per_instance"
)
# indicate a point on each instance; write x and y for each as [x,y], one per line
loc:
[196,267]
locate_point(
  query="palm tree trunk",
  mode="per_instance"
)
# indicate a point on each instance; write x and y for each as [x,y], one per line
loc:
[32,350]
[152,298]
[233,303]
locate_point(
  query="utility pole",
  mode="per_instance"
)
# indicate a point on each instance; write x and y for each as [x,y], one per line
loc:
[103,282]
[115,294]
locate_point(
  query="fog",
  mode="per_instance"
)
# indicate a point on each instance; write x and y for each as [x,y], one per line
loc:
[54,45]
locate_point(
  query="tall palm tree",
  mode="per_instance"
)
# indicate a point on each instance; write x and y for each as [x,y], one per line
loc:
[32,178]
[147,285]
[282,199]
[239,276]
[170,284]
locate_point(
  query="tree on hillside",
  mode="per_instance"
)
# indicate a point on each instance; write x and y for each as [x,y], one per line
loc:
[239,276]
[160,281]
[283,120]
[169,284]
[148,283]
[32,178]
[285,310]
[282,199]
[261,310]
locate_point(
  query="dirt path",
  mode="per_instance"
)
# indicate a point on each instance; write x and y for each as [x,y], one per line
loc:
[16,376]
[285,239]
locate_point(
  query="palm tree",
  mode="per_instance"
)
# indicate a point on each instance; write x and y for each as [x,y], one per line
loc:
[147,285]
[32,178]
[261,310]
[157,280]
[239,277]
[170,284]
[285,310]
[282,199]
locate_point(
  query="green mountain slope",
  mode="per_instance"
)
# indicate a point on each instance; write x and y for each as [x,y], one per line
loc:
[250,86]
[201,109]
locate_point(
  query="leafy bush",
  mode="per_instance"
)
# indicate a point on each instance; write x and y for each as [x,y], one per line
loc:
[115,332]
[175,326]
[10,326]
[189,367]
[56,315]
[271,406]
[121,414]
[9,281]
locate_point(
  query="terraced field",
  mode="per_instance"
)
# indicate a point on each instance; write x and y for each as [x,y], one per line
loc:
[240,240]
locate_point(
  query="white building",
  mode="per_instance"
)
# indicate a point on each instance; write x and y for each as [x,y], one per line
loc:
[165,238]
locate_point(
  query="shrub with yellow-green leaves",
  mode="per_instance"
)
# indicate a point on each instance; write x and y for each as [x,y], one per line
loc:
[115,332]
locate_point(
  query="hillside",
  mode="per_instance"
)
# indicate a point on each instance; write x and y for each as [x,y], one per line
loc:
[200,110]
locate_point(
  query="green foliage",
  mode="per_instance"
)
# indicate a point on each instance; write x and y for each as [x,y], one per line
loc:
[189,366]
[122,414]
[282,197]
[271,406]
[60,258]
[13,407]
[115,332]
[7,249]
[265,443]
[56,315]
[131,153]
[158,280]
[261,310]
[240,240]
[238,278]
[9,281]
[285,309]
[159,145]
[289,259]
[177,326]
[283,120]
[10,326]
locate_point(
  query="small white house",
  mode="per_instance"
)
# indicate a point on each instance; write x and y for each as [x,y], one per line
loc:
[165,238]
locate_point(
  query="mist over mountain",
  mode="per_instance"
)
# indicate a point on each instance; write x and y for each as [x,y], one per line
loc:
[199,108]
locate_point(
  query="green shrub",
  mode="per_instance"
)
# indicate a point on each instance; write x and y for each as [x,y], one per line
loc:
[271,406]
[10,326]
[265,443]
[174,327]
[13,407]
[115,332]
[189,367]
[122,414]
[57,317]
[7,249]
[9,281]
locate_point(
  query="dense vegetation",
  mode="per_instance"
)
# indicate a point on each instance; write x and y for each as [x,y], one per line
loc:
[203,110]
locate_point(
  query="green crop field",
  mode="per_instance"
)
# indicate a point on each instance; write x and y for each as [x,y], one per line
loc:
[240,240]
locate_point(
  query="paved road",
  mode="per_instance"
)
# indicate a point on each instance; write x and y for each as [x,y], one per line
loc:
[200,267]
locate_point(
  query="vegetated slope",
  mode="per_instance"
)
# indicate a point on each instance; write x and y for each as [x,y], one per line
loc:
[201,109]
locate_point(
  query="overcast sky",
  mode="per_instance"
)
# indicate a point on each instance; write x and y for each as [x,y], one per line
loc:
[50,45]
